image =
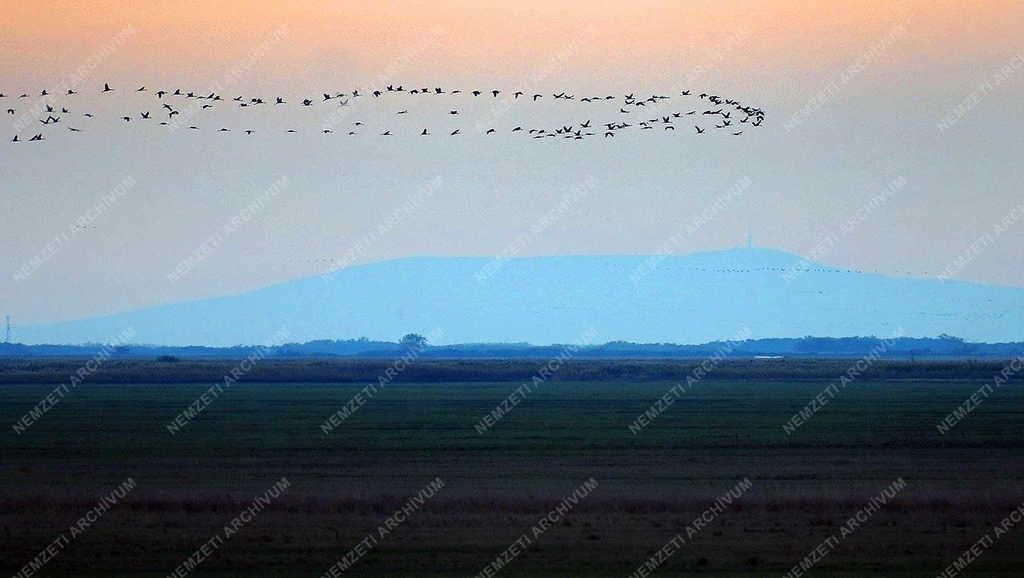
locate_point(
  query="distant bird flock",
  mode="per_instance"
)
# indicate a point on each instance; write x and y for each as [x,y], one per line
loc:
[698,114]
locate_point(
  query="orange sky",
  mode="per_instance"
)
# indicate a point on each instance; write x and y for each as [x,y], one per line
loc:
[616,40]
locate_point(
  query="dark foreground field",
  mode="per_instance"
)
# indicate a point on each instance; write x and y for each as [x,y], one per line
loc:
[499,484]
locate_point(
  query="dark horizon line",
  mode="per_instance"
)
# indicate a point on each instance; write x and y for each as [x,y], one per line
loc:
[791,347]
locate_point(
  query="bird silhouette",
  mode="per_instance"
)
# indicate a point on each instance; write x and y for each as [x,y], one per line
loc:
[631,103]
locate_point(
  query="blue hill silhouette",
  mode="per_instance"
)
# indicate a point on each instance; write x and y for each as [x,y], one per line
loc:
[697,298]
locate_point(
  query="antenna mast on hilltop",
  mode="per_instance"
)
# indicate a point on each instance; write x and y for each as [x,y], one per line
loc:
[7,331]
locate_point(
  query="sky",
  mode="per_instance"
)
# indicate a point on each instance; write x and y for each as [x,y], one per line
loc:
[891,141]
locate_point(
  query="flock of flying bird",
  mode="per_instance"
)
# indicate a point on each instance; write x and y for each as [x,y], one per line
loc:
[705,112]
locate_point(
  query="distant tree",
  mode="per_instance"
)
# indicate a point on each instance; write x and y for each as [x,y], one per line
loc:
[413,340]
[167,359]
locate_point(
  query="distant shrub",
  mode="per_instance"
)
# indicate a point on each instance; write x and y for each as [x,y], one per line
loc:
[413,340]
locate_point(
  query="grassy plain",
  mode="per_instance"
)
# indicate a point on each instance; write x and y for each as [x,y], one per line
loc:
[498,484]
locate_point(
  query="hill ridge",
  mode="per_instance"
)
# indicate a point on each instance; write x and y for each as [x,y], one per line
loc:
[694,298]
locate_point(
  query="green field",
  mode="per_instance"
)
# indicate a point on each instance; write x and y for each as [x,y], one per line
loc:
[500,483]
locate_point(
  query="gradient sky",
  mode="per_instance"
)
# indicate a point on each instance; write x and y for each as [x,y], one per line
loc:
[806,179]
